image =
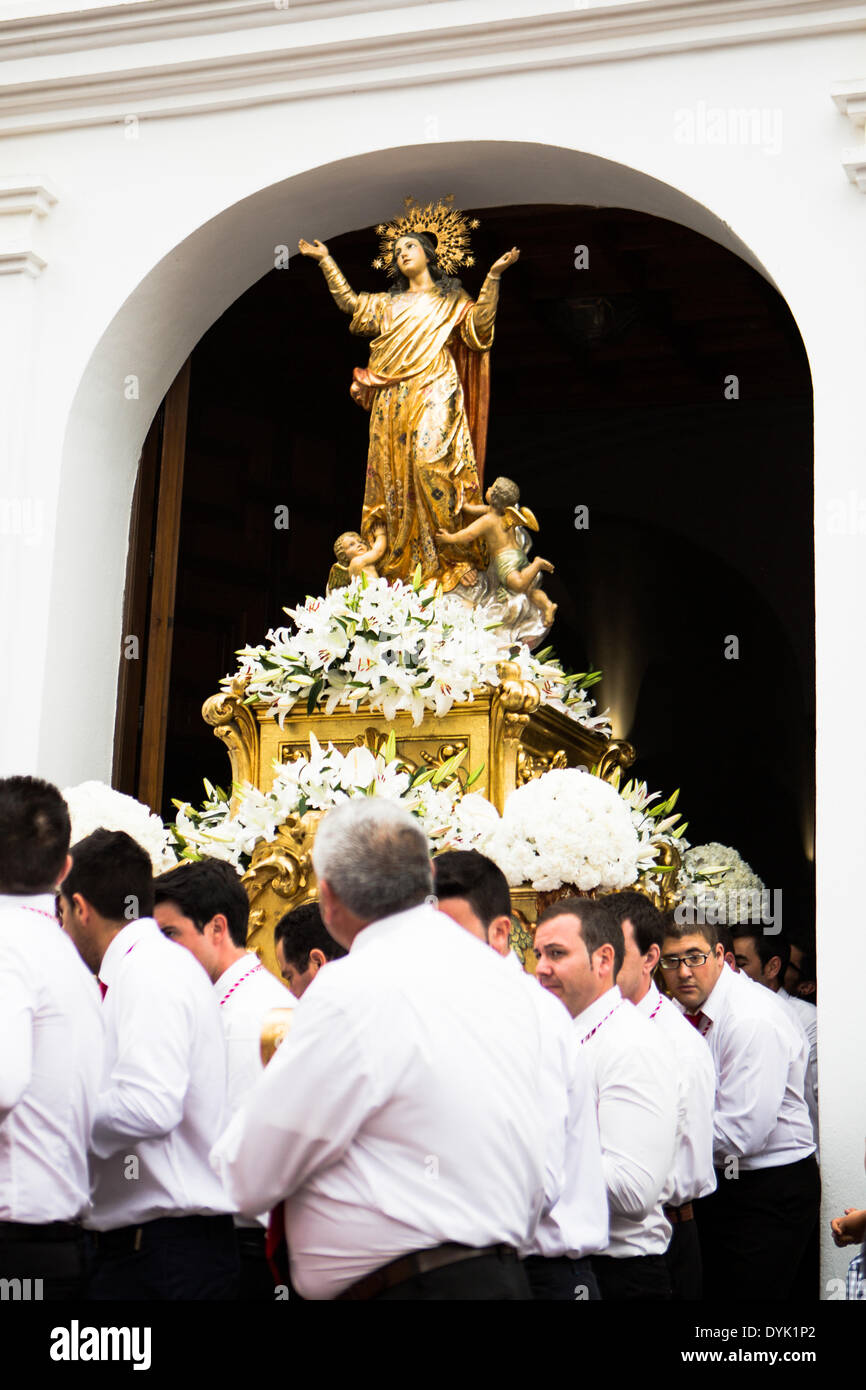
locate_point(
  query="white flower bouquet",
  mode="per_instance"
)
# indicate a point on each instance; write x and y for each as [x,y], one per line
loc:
[94,806]
[565,827]
[718,882]
[316,783]
[397,647]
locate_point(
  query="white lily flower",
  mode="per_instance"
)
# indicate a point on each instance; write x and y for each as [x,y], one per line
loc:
[359,768]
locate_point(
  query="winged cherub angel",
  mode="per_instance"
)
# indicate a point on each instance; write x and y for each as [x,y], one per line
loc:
[496,524]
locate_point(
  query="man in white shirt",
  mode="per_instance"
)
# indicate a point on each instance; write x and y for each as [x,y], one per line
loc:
[161,1219]
[755,1229]
[302,945]
[764,958]
[693,1173]
[473,891]
[579,945]
[50,1053]
[203,907]
[399,1122]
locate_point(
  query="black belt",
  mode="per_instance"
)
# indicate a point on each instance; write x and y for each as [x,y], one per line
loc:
[128,1239]
[52,1230]
[676,1215]
[421,1262]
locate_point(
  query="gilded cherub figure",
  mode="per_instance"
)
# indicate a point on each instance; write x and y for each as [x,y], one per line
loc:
[355,557]
[496,525]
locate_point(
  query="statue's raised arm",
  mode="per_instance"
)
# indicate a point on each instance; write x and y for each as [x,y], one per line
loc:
[337,282]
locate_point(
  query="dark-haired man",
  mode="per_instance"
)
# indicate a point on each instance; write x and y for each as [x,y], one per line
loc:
[203,907]
[580,949]
[473,892]
[764,958]
[756,1228]
[302,945]
[162,1220]
[693,1175]
[51,1047]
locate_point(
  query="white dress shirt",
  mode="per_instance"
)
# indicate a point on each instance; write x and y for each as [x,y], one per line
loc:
[245,993]
[633,1073]
[760,1056]
[577,1225]
[693,1173]
[402,1111]
[51,1049]
[162,1104]
[807,1016]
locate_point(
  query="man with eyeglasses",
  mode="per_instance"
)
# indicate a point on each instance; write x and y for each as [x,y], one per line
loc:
[756,1227]
[693,1174]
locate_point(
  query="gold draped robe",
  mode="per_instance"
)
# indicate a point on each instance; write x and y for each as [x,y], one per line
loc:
[422,463]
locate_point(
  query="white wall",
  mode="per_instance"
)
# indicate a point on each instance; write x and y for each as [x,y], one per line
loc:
[152,238]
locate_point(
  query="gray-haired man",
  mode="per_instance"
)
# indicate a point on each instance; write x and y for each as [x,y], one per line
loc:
[410,1161]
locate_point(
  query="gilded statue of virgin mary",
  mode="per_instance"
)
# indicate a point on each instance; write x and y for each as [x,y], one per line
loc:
[426,387]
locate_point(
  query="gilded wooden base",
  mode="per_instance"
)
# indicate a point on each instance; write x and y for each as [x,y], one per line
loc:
[508,733]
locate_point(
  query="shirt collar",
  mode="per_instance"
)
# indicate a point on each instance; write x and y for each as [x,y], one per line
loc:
[385,926]
[599,1009]
[122,944]
[650,1000]
[37,902]
[239,967]
[718,995]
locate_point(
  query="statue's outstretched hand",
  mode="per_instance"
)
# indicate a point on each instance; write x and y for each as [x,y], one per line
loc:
[505,261]
[317,249]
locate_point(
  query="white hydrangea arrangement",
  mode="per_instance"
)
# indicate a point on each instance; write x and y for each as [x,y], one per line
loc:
[565,827]
[94,806]
[397,647]
[717,880]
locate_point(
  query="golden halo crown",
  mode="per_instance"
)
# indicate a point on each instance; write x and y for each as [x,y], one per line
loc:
[445,224]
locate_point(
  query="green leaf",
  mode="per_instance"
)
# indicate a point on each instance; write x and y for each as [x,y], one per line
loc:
[389,747]
[449,767]
[416,578]
[421,776]
[473,777]
[315,691]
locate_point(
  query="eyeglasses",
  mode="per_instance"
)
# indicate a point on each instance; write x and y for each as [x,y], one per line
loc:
[692,959]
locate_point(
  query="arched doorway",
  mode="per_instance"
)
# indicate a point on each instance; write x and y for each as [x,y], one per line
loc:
[612,392]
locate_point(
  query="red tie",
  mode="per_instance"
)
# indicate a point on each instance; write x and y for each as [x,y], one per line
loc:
[103,989]
[276,1249]
[696,1019]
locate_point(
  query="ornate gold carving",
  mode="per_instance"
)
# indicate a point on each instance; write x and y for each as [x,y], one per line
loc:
[235,723]
[532,765]
[517,698]
[280,877]
[275,1026]
[618,753]
[520,939]
[668,857]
